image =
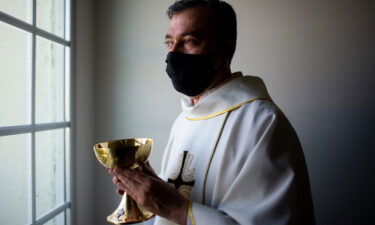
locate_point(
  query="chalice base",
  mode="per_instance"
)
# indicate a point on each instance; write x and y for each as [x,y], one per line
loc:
[129,212]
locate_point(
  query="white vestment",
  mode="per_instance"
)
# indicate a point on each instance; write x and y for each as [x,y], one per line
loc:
[236,156]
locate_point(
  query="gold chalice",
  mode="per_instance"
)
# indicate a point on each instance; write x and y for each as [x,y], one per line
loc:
[129,153]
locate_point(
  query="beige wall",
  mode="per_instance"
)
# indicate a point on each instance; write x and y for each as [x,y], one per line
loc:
[315,56]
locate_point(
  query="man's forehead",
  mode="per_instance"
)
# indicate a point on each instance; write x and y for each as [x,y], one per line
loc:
[186,33]
[195,20]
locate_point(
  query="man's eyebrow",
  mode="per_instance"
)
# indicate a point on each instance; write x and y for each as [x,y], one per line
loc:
[189,33]
[167,36]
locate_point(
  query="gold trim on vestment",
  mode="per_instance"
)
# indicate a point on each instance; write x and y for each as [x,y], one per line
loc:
[226,110]
[212,156]
[192,220]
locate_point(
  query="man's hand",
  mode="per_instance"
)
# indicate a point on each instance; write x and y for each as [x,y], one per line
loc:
[151,192]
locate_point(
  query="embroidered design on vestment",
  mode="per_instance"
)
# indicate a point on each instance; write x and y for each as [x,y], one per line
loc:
[182,178]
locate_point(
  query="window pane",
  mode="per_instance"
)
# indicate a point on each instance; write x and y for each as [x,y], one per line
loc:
[68,166]
[67,83]
[49,163]
[57,220]
[14,73]
[68,217]
[50,16]
[49,81]
[21,9]
[14,177]
[68,19]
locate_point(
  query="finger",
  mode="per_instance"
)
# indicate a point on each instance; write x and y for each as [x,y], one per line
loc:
[135,175]
[121,186]
[127,191]
[115,180]
[121,182]
[132,185]
[119,174]
[124,190]
[128,184]
[110,170]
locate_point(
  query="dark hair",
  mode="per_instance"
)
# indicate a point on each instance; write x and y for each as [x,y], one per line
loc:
[224,17]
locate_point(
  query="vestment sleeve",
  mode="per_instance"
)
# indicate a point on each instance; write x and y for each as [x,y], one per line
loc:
[269,186]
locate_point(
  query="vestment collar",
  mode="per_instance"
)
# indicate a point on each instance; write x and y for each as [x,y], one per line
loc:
[230,96]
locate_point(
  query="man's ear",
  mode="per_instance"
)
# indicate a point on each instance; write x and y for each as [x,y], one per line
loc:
[227,51]
[230,48]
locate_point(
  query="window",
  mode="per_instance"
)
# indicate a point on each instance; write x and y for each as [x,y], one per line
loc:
[35,112]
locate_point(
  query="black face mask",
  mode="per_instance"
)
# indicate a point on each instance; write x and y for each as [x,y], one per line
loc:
[191,74]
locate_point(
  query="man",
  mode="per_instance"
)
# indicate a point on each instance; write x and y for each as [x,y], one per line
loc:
[232,156]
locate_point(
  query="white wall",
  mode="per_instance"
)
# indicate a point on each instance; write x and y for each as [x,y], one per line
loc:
[315,56]
[84,181]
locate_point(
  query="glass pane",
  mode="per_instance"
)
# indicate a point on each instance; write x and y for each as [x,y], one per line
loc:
[50,16]
[14,176]
[57,220]
[49,161]
[68,217]
[67,83]
[68,166]
[49,91]
[68,19]
[14,73]
[21,9]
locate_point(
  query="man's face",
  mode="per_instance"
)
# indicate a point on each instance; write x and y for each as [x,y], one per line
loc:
[192,32]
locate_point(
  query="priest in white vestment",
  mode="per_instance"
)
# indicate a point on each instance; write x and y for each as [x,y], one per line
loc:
[232,156]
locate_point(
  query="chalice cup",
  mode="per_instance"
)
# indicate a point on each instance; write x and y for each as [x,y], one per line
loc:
[127,153]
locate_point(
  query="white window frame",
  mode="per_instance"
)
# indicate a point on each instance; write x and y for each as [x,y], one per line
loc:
[32,128]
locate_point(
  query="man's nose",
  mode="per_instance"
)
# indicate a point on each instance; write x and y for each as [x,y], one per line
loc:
[176,47]
[173,48]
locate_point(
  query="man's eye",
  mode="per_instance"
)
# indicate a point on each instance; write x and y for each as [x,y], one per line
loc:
[168,44]
[191,41]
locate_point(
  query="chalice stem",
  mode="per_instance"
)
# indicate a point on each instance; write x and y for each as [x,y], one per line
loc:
[128,212]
